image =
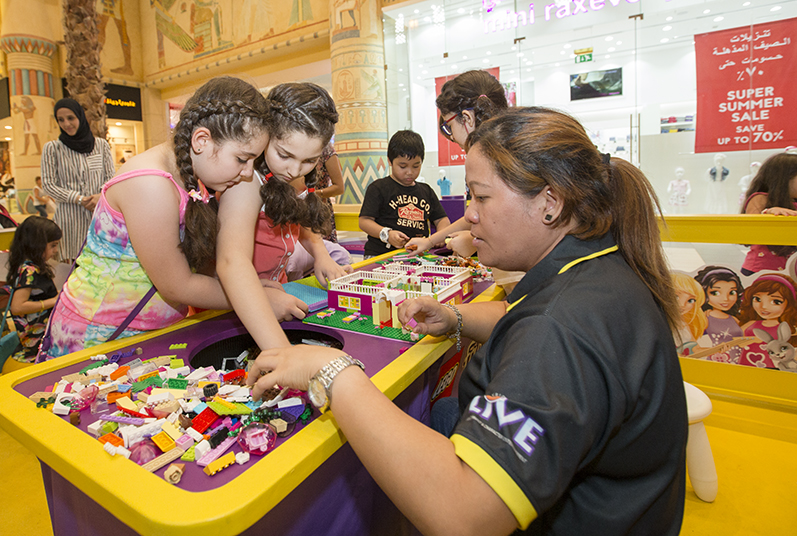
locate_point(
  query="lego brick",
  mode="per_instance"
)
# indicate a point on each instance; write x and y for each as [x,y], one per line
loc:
[113,439]
[163,459]
[163,441]
[222,463]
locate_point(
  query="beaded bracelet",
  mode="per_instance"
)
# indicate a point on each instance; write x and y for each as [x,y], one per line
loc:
[458,331]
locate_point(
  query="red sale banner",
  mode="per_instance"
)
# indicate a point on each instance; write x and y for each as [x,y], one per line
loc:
[746,90]
[448,152]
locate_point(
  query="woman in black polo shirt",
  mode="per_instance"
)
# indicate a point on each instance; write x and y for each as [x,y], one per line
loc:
[572,414]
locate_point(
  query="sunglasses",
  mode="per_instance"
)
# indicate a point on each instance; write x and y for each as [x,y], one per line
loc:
[445,128]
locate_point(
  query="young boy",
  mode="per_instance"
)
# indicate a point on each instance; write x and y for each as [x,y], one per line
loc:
[396,208]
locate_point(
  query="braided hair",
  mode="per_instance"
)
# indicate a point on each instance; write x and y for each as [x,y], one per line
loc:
[473,90]
[232,110]
[309,109]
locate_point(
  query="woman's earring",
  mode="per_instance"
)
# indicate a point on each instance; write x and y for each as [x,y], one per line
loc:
[548,217]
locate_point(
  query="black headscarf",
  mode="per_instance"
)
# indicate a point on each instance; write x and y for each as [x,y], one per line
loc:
[83,140]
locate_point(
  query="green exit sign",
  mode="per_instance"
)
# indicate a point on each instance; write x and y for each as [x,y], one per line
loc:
[584,58]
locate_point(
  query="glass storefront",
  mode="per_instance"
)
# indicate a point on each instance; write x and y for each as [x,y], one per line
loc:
[634,73]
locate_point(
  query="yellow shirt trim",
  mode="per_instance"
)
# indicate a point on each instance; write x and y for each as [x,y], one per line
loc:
[569,265]
[495,476]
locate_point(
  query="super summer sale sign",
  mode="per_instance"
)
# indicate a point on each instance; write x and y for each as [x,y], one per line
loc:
[747,88]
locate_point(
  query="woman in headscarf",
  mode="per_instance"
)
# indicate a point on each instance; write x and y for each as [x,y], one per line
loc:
[74,168]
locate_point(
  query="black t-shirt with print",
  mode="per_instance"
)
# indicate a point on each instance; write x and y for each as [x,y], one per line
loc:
[409,209]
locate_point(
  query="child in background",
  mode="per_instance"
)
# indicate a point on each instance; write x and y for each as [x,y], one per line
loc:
[768,301]
[261,220]
[773,191]
[40,200]
[396,208]
[152,241]
[35,242]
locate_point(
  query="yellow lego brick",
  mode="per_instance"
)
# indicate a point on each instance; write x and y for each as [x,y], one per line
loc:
[147,375]
[177,363]
[164,442]
[178,393]
[171,430]
[216,466]
[127,403]
[220,400]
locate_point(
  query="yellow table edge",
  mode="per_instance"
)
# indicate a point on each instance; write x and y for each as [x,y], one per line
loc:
[162,508]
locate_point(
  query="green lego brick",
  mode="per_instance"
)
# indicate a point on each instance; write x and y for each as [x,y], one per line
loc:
[154,381]
[189,456]
[221,409]
[95,364]
[177,383]
[366,326]
[179,346]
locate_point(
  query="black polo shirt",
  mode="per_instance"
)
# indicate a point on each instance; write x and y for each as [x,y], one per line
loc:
[574,410]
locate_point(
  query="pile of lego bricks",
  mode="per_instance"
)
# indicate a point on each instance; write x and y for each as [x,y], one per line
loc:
[159,411]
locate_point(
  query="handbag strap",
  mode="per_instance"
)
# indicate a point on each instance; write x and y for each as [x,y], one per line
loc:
[133,314]
[8,307]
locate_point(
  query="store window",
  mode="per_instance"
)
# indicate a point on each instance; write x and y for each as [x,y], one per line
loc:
[635,73]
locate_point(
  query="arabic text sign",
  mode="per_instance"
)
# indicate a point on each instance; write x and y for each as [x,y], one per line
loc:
[746,88]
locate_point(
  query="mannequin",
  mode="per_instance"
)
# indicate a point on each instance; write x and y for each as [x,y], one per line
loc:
[716,202]
[679,190]
[444,183]
[744,182]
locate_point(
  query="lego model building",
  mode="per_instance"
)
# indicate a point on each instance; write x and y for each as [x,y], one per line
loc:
[377,293]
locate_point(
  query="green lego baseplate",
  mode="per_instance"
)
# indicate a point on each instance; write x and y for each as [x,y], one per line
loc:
[364,324]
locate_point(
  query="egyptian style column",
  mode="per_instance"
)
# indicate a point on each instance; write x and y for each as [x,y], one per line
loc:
[29,49]
[358,87]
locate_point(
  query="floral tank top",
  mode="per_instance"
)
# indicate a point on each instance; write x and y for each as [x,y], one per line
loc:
[109,281]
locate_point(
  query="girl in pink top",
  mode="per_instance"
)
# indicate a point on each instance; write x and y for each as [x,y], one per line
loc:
[156,223]
[773,191]
[262,220]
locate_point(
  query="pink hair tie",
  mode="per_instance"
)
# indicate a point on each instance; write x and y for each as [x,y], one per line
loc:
[779,279]
[201,195]
[480,96]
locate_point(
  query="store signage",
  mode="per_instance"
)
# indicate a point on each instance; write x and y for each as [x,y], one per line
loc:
[583,55]
[746,95]
[561,9]
[122,102]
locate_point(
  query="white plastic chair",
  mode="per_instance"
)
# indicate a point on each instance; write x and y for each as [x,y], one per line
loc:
[699,459]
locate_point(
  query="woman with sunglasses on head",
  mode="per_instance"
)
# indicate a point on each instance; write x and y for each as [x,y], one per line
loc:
[464,103]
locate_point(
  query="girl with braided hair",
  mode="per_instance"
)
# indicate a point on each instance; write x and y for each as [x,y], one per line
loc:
[152,241]
[262,221]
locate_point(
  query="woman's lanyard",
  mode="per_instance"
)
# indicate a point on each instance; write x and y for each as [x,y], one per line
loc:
[569,265]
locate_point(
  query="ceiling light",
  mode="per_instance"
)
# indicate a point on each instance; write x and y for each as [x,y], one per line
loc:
[611,49]
[118,124]
[665,40]
[706,11]
[567,45]
[668,19]
[609,37]
[8,127]
[775,8]
[666,28]
[718,19]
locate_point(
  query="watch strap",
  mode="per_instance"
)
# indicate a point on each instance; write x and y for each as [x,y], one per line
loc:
[327,374]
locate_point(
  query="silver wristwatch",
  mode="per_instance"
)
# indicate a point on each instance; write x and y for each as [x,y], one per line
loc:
[384,235]
[318,389]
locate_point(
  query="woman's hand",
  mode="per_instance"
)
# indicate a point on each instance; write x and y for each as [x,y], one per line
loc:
[285,306]
[90,201]
[461,243]
[326,269]
[418,245]
[431,316]
[288,367]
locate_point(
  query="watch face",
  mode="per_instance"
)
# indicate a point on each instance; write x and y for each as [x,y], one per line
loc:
[316,393]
